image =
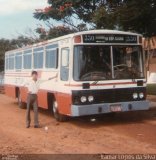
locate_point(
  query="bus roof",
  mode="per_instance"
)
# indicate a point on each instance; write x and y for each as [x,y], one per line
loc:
[100,31]
[105,31]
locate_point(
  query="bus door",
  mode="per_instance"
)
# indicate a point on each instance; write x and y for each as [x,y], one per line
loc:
[64,98]
[64,72]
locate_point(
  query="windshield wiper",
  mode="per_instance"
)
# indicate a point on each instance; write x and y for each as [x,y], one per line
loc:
[95,82]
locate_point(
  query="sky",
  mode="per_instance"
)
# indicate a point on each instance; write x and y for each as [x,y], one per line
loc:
[16,17]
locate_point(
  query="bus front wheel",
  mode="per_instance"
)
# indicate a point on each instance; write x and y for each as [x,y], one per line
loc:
[59,117]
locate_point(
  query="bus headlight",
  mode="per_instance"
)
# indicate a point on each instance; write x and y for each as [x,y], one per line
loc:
[83,99]
[135,95]
[90,98]
[141,95]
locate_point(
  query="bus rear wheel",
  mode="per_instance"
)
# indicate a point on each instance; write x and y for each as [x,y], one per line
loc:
[59,117]
[21,104]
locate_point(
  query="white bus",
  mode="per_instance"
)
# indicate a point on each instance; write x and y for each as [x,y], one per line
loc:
[96,72]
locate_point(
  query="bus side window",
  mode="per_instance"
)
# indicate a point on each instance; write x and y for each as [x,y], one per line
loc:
[11,62]
[27,59]
[64,64]
[38,57]
[18,61]
[52,58]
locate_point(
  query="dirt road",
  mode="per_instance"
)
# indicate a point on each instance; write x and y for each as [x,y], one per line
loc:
[123,133]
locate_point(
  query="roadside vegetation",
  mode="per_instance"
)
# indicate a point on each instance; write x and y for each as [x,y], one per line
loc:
[151,89]
[62,17]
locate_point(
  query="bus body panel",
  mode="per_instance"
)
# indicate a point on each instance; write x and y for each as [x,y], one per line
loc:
[10,90]
[42,99]
[64,103]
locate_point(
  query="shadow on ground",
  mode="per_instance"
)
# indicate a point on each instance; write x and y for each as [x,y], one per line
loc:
[107,119]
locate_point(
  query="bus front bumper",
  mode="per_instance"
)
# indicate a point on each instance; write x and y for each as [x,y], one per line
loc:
[81,110]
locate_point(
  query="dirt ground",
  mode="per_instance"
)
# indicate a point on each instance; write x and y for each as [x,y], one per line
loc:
[133,132]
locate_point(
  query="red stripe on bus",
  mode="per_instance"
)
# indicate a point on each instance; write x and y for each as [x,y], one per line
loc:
[17,75]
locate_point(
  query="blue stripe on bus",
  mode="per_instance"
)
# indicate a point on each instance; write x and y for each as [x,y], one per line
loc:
[38,49]
[51,46]
[27,51]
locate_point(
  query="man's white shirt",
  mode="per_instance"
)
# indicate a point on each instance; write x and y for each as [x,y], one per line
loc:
[33,86]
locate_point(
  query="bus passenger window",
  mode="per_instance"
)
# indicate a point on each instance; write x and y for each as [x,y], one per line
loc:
[11,62]
[52,58]
[27,59]
[38,58]
[18,61]
[65,64]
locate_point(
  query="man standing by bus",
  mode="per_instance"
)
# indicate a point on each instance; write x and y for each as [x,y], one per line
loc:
[33,87]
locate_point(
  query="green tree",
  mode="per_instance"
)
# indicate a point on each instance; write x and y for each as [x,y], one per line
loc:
[138,16]
[6,45]
[53,32]
[129,15]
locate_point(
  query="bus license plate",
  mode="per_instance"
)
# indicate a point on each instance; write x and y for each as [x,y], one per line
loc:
[115,108]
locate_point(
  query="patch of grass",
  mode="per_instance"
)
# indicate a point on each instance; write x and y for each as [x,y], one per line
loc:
[151,89]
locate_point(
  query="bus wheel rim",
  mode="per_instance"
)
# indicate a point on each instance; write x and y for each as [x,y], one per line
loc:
[55,107]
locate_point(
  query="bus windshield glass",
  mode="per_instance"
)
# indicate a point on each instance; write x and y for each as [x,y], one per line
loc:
[97,62]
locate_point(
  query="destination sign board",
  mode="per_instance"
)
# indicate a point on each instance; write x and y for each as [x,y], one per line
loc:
[109,38]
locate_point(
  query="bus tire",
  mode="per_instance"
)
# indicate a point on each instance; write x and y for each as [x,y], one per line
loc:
[21,104]
[59,117]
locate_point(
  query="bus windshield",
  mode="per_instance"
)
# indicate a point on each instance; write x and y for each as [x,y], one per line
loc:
[96,62]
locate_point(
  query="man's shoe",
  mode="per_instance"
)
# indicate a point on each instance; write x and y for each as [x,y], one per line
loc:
[36,126]
[27,126]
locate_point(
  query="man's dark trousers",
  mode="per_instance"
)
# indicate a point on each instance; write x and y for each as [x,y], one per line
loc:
[32,100]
